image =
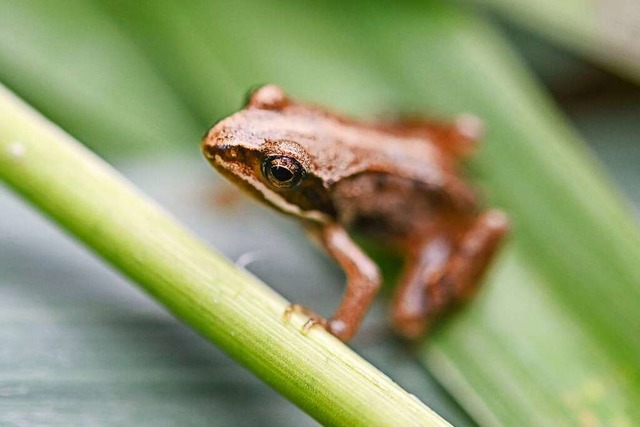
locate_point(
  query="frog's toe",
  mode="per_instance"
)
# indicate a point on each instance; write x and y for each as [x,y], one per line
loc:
[314,321]
[314,318]
[411,327]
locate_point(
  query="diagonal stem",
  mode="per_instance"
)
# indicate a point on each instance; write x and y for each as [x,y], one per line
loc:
[229,307]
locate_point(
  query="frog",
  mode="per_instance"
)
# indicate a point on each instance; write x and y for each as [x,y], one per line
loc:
[400,182]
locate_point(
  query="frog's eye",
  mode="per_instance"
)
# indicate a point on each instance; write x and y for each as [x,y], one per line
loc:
[282,171]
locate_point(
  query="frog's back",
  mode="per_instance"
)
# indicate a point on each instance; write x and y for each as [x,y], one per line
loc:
[378,179]
[340,146]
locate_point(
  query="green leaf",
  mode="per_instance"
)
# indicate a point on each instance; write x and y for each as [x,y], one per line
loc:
[71,61]
[604,30]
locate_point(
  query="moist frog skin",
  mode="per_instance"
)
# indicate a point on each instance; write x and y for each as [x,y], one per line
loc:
[398,181]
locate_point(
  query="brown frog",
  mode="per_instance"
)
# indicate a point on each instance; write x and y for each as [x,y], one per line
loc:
[399,182]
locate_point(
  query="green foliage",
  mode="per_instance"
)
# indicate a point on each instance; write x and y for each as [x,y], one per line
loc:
[73,62]
[604,30]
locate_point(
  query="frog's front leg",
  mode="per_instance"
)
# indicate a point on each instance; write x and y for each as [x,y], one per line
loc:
[363,279]
[439,274]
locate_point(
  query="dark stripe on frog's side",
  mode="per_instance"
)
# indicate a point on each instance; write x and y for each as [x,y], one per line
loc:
[309,195]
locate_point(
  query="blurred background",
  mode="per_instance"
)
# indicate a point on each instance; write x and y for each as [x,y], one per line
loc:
[139,83]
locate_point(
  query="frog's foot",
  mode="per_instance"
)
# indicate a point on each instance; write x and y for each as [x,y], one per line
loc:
[314,318]
[477,248]
[336,327]
[410,327]
[413,309]
[439,277]
[414,324]
[314,321]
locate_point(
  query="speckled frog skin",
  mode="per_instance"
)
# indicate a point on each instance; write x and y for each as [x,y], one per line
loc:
[397,181]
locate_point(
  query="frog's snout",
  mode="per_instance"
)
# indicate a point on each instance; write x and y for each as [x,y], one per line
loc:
[214,143]
[216,152]
[221,154]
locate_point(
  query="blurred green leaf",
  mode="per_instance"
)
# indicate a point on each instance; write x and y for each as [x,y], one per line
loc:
[603,30]
[69,60]
[251,43]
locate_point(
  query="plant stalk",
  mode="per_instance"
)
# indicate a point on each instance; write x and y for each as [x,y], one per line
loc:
[228,306]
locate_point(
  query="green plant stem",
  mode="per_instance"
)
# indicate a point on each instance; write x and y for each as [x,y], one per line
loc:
[231,308]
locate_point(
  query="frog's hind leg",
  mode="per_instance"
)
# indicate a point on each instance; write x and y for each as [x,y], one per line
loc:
[474,254]
[424,266]
[440,277]
[458,137]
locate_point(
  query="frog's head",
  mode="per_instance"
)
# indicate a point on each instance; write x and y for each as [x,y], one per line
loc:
[262,150]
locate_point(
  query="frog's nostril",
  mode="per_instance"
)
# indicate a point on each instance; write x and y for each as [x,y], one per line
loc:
[213,149]
[210,148]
